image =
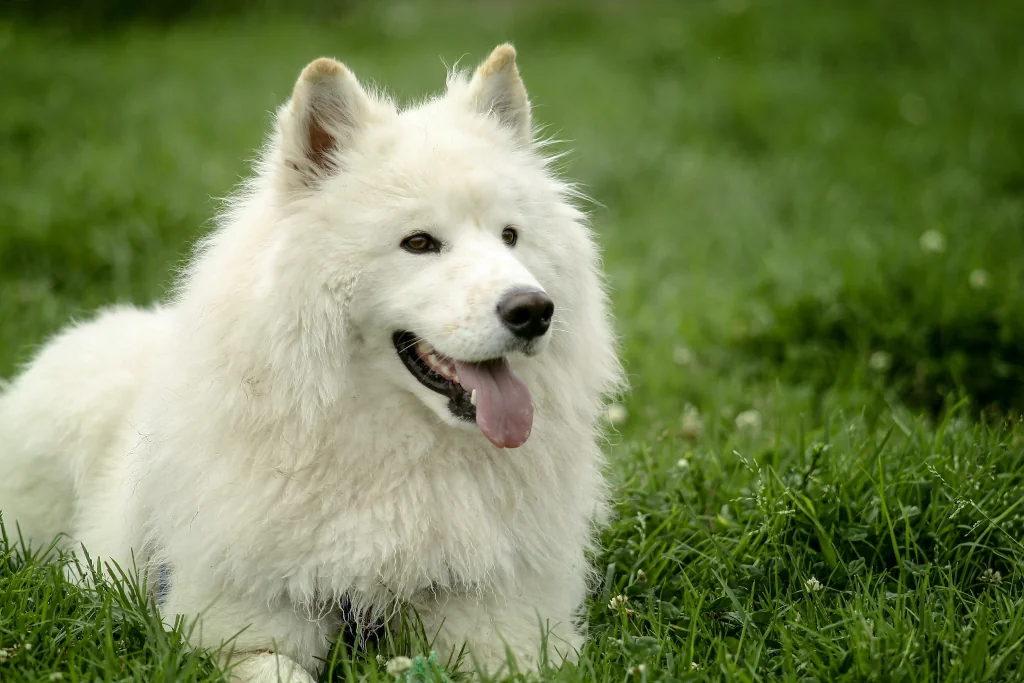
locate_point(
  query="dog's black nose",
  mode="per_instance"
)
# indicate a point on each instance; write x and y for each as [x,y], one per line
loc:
[526,312]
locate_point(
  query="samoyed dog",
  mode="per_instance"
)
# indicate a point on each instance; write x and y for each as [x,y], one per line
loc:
[376,392]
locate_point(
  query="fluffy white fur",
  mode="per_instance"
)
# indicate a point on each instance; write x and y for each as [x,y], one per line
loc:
[259,434]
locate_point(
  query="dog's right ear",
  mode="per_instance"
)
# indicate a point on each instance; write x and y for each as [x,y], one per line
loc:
[327,109]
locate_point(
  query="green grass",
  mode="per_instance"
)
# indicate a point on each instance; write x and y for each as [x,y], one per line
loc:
[817,399]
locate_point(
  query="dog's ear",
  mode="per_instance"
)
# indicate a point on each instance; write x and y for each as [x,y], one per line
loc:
[327,110]
[497,89]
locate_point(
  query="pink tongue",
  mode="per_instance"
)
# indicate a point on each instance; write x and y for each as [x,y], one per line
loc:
[504,408]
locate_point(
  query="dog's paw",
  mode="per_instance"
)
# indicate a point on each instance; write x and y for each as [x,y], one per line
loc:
[268,667]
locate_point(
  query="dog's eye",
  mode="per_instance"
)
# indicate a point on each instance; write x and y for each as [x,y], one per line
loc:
[420,243]
[509,236]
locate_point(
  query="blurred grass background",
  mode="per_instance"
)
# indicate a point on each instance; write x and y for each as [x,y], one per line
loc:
[813,223]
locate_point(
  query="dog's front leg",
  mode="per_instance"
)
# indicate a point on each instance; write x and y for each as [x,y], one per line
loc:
[268,641]
[268,667]
[487,627]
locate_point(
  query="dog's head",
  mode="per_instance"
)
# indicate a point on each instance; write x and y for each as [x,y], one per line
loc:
[439,235]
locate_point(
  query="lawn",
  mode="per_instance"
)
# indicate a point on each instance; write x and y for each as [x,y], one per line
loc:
[813,223]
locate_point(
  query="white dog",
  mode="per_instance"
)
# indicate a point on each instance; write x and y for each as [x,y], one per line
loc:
[325,414]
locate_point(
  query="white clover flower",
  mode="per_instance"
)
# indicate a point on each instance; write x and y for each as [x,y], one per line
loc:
[914,109]
[683,463]
[616,414]
[749,420]
[994,578]
[812,585]
[932,242]
[693,425]
[733,6]
[880,361]
[682,355]
[979,279]
[641,575]
[398,666]
[694,666]
[617,603]
[402,19]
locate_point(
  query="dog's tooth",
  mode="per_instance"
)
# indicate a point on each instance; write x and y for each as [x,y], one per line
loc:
[472,397]
[423,348]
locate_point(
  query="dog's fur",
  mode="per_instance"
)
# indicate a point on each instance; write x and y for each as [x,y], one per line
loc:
[259,437]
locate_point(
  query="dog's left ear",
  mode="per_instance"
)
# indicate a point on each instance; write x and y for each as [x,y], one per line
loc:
[498,90]
[327,111]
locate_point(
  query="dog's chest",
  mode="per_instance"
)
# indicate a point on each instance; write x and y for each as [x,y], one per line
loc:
[400,531]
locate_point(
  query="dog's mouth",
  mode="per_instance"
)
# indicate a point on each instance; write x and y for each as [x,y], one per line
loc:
[488,392]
